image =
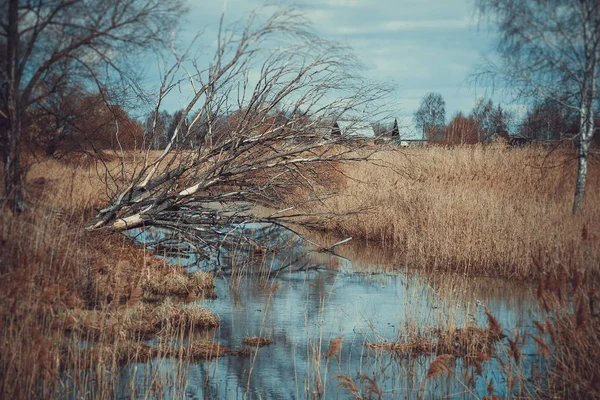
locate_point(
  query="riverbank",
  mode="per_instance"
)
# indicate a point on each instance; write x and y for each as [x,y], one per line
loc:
[474,210]
[72,299]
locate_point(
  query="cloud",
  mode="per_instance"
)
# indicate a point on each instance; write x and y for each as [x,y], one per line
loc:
[421,45]
[404,25]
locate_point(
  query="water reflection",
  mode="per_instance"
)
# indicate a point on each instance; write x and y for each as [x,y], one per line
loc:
[303,299]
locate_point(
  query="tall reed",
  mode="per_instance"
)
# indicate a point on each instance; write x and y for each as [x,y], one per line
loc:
[472,209]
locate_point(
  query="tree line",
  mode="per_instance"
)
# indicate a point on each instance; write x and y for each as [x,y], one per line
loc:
[544,121]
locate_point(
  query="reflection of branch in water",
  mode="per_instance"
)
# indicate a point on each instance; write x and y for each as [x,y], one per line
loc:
[302,268]
[257,246]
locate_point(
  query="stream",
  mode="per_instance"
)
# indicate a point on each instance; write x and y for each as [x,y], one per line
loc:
[303,299]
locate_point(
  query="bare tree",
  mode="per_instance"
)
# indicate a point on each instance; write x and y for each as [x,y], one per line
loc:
[431,115]
[267,101]
[48,43]
[548,122]
[490,119]
[157,127]
[460,130]
[550,49]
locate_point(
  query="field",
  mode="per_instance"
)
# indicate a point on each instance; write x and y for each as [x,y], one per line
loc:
[473,210]
[72,298]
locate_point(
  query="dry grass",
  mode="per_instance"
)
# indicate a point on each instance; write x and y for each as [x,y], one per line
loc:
[121,353]
[255,341]
[369,387]
[143,320]
[440,365]
[73,299]
[479,211]
[476,210]
[570,338]
[335,347]
[471,343]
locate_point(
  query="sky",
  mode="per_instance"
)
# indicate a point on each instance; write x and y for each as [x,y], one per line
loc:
[419,45]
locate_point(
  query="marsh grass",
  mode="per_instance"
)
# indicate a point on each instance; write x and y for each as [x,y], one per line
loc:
[255,341]
[76,306]
[474,210]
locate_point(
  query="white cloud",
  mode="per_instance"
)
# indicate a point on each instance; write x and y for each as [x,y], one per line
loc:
[346,3]
[405,25]
[422,45]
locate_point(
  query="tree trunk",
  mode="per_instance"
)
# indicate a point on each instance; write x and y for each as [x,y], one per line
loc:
[13,188]
[585,137]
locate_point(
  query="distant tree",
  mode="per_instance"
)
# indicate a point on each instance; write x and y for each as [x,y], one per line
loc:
[81,121]
[492,120]
[49,43]
[156,129]
[460,130]
[548,121]
[550,50]
[395,130]
[431,115]
[48,125]
[174,120]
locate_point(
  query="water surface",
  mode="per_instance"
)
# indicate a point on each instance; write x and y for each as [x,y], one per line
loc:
[303,299]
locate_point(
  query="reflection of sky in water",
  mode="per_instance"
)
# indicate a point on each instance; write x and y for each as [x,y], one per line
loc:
[311,307]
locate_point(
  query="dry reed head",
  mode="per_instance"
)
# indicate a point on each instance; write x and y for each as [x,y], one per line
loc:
[514,348]
[370,387]
[335,347]
[440,365]
[347,383]
[543,348]
[494,327]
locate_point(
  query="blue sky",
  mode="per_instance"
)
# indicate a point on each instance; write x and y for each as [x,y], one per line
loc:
[419,45]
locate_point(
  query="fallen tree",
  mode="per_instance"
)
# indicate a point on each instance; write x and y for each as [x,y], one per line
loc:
[258,132]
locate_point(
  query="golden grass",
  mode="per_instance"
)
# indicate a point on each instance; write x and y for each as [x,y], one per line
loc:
[470,343]
[570,339]
[63,287]
[475,210]
[143,320]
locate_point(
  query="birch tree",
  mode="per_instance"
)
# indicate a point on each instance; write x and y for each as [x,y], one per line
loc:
[550,49]
[267,102]
[431,115]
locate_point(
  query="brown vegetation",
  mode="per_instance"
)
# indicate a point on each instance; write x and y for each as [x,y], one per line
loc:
[570,337]
[478,210]
[255,341]
[72,299]
[470,343]
[335,347]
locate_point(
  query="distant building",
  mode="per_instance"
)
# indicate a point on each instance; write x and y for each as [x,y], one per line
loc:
[414,142]
[357,129]
[335,129]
